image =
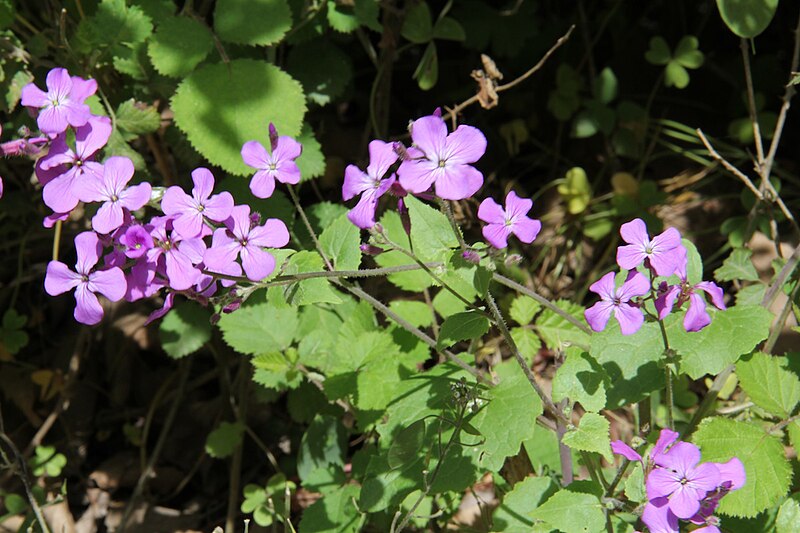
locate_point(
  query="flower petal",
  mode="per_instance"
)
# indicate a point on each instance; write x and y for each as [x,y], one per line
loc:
[429,134]
[203,181]
[635,232]
[620,448]
[262,185]
[696,316]
[630,256]
[219,206]
[597,315]
[92,136]
[135,197]
[417,175]
[223,251]
[363,214]
[286,149]
[713,291]
[88,248]
[110,283]
[458,182]
[497,235]
[526,229]
[517,207]
[257,263]
[661,482]
[108,218]
[356,181]
[491,212]
[665,440]
[684,502]
[636,284]
[61,193]
[52,120]
[666,301]
[658,518]
[60,279]
[87,308]
[255,155]
[382,156]
[465,145]
[732,472]
[604,287]
[273,234]
[630,318]
[682,458]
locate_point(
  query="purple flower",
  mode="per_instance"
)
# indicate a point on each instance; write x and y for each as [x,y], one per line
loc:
[112,191]
[188,211]
[180,255]
[682,480]
[514,219]
[661,252]
[245,240]
[62,105]
[136,240]
[371,185]
[444,159]
[696,317]
[85,280]
[620,448]
[62,170]
[278,165]
[628,315]
[658,517]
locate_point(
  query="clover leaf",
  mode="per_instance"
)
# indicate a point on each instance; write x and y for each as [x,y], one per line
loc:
[47,462]
[685,56]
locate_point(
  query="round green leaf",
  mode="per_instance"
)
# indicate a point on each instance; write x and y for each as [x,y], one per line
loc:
[658,53]
[687,54]
[322,68]
[418,24]
[222,106]
[747,18]
[675,75]
[179,45]
[256,22]
[185,329]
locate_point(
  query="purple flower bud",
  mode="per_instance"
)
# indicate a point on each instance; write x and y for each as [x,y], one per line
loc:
[437,112]
[233,306]
[471,256]
[273,136]
[255,219]
[371,250]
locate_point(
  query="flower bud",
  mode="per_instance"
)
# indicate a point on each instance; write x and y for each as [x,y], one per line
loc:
[371,250]
[471,256]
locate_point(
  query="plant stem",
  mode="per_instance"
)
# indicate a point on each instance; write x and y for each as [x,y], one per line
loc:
[236,462]
[668,376]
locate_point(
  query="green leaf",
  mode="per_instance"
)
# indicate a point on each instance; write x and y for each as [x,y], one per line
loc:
[431,234]
[254,496]
[47,462]
[658,53]
[747,18]
[731,334]
[259,328]
[523,309]
[512,399]
[15,504]
[310,291]
[417,313]
[513,514]
[322,69]
[572,512]
[156,9]
[527,342]
[449,29]
[769,384]
[254,22]
[185,329]
[341,242]
[322,446]
[462,326]
[768,471]
[556,331]
[335,512]
[606,86]
[137,119]
[221,442]
[6,19]
[406,445]
[675,75]
[418,24]
[581,379]
[368,13]
[427,72]
[591,435]
[687,54]
[222,106]
[342,18]
[788,516]
[276,370]
[575,190]
[12,337]
[312,161]
[179,45]
[738,265]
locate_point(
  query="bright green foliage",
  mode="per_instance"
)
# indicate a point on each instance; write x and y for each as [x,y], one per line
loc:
[788,516]
[179,45]
[416,313]
[341,18]
[405,447]
[431,234]
[310,291]
[462,326]
[581,379]
[136,119]
[322,447]
[185,329]
[572,512]
[513,514]
[575,190]
[335,512]
[634,485]
[523,309]
[14,504]
[591,435]
[768,471]
[512,399]
[770,386]
[312,161]
[737,266]
[731,334]
[747,18]
[277,370]
[255,22]
[47,462]
[219,111]
[322,69]
[556,331]
[267,504]
[12,337]
[527,342]
[156,9]
[221,442]
[340,241]
[415,281]
[251,329]
[685,56]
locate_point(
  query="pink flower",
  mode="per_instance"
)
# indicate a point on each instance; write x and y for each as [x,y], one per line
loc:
[371,185]
[242,239]
[628,315]
[112,191]
[661,252]
[514,219]
[682,480]
[85,280]
[180,255]
[188,211]
[445,160]
[62,105]
[278,165]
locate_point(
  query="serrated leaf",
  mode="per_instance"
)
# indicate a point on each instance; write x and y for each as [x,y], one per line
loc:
[342,18]
[116,33]
[178,45]
[221,442]
[418,24]
[788,516]
[322,69]
[591,435]
[335,512]
[310,291]
[341,241]
[222,106]
[738,265]
[769,384]
[259,328]
[581,379]
[274,370]
[431,233]
[572,512]
[527,342]
[513,513]
[254,22]
[462,326]
[136,118]
[185,329]
[747,19]
[512,399]
[731,334]
[523,309]
[768,472]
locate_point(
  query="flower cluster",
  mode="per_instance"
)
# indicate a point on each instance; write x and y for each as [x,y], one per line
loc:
[679,487]
[663,256]
[141,256]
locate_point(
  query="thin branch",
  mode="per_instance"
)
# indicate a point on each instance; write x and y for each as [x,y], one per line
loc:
[751,106]
[300,276]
